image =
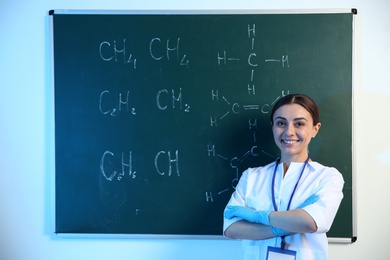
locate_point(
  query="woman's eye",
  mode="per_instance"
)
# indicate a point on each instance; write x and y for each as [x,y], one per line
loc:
[280,123]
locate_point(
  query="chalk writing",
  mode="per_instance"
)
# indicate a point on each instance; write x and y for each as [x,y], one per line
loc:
[222,58]
[166,50]
[108,166]
[235,108]
[209,197]
[283,61]
[117,53]
[166,155]
[110,104]
[176,100]
[234,163]
[166,163]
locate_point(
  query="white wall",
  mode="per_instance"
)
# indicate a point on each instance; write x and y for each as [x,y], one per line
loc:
[25,182]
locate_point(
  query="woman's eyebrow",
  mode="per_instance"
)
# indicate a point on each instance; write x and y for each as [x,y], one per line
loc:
[295,119]
[300,118]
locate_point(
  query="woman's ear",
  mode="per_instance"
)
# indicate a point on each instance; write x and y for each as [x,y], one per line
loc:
[316,128]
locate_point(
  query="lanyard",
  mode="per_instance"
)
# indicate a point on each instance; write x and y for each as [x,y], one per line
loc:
[283,243]
[296,185]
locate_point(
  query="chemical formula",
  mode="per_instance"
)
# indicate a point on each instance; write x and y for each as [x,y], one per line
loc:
[117,167]
[235,108]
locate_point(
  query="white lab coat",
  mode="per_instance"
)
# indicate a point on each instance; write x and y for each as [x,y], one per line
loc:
[254,190]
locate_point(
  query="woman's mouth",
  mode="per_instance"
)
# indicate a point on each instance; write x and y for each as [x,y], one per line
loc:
[290,142]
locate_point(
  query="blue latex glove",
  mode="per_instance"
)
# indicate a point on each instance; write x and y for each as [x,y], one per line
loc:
[280,232]
[312,199]
[248,214]
[261,217]
[253,216]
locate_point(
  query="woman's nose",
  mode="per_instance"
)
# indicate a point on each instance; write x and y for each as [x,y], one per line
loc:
[290,130]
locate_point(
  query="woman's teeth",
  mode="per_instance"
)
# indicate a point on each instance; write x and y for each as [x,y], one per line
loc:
[289,142]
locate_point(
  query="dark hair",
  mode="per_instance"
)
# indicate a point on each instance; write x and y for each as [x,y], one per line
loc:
[299,99]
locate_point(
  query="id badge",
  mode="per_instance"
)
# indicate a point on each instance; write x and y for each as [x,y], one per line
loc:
[275,253]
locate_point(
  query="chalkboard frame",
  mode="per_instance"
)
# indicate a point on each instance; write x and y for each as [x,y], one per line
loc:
[181,12]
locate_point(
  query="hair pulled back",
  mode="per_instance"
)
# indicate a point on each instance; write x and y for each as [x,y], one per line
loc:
[299,99]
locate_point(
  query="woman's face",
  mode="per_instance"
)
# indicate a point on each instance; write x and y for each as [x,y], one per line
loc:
[293,129]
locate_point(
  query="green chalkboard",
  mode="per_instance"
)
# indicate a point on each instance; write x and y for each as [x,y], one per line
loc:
[157,115]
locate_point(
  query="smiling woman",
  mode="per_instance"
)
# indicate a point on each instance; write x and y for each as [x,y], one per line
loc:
[295,121]
[287,210]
